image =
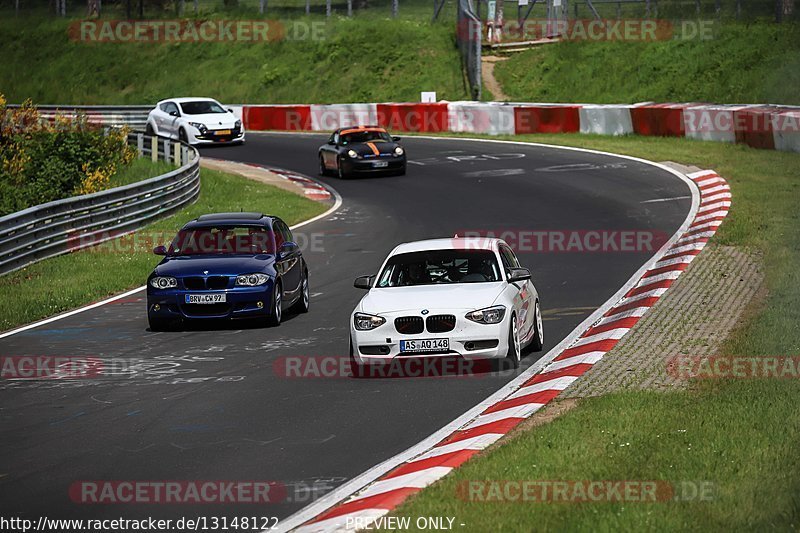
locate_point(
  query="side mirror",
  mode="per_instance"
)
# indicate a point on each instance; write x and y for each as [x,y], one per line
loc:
[364,282]
[174,114]
[330,142]
[396,139]
[160,250]
[230,110]
[288,248]
[518,274]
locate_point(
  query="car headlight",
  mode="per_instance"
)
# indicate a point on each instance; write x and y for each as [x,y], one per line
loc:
[163,282]
[365,322]
[488,315]
[399,151]
[352,153]
[199,126]
[238,124]
[251,280]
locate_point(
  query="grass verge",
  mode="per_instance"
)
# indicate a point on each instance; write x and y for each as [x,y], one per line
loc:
[740,435]
[69,281]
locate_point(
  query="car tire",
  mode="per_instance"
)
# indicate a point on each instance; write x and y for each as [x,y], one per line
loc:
[340,173]
[537,343]
[513,356]
[322,170]
[276,306]
[182,137]
[148,130]
[303,303]
[402,171]
[158,324]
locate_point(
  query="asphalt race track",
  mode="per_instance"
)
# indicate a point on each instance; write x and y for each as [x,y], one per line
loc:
[210,405]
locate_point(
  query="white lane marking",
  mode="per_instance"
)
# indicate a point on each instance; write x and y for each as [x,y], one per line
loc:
[665,199]
[336,205]
[359,482]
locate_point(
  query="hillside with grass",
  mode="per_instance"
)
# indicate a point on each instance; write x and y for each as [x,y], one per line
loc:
[360,59]
[742,63]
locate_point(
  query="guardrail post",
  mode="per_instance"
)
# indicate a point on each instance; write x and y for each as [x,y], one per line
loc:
[185,155]
[177,149]
[166,150]
[139,144]
[154,149]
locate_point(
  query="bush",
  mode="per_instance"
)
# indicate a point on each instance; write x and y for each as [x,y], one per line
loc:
[43,160]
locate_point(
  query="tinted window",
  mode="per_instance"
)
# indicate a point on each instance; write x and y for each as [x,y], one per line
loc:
[218,240]
[438,267]
[508,257]
[365,136]
[202,107]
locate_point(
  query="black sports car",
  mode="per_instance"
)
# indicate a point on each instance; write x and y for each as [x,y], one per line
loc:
[361,149]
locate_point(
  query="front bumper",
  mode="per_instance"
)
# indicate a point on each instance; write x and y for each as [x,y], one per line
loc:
[367,165]
[469,340]
[210,137]
[241,302]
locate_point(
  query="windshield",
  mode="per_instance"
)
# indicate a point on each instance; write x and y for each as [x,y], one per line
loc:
[365,136]
[217,240]
[201,107]
[438,267]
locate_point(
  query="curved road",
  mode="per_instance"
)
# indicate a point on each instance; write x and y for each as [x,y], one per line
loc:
[213,405]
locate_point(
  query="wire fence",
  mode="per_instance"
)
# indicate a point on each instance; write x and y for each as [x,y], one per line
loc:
[139,9]
[468,39]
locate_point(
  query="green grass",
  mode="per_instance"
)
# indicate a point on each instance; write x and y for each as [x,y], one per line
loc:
[741,435]
[68,281]
[361,59]
[139,169]
[743,63]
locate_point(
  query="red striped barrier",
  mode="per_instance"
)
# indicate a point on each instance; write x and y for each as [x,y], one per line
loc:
[547,119]
[277,117]
[662,120]
[753,126]
[768,127]
[421,118]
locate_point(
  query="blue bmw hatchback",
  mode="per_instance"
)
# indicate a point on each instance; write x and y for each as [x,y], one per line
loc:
[228,265]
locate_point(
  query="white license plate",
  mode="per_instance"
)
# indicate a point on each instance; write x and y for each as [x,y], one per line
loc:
[205,298]
[425,345]
[380,164]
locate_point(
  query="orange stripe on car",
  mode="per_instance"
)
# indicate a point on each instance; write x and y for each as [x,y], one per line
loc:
[374,148]
[359,130]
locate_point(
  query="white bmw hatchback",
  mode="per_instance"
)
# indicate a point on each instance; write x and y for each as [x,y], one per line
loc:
[195,121]
[465,297]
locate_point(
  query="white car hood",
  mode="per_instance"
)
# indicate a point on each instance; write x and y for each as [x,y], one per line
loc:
[465,296]
[212,120]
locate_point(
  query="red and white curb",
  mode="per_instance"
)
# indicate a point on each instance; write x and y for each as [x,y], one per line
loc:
[504,413]
[311,188]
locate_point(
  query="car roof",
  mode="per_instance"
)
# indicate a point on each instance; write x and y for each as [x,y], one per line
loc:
[353,129]
[452,243]
[229,218]
[182,99]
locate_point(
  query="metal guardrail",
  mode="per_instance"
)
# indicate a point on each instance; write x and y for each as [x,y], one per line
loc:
[468,39]
[62,226]
[134,116]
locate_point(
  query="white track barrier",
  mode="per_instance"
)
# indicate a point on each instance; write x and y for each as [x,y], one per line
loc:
[606,119]
[470,117]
